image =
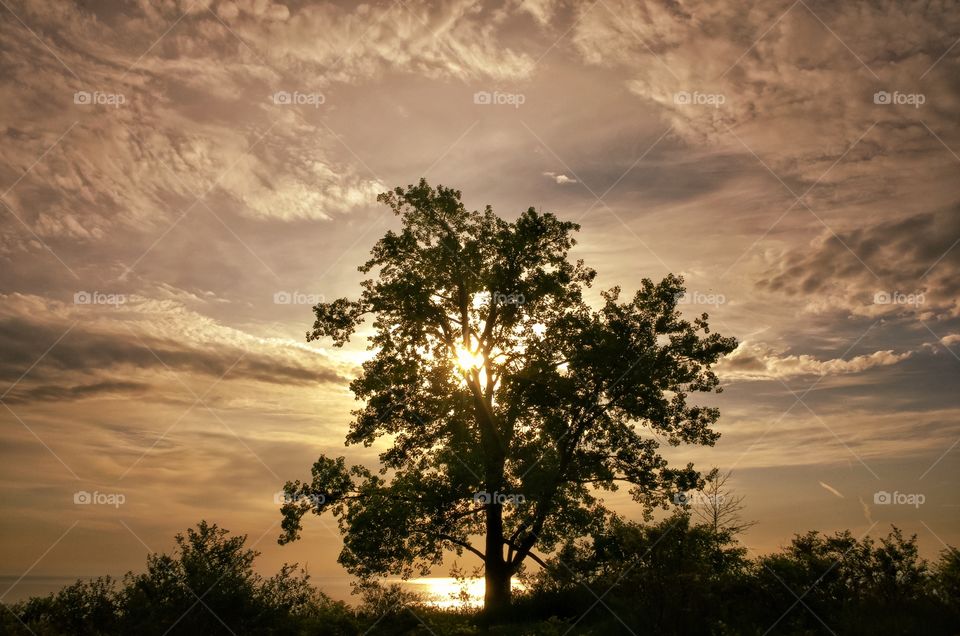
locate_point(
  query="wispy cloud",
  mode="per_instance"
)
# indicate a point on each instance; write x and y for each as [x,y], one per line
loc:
[832,490]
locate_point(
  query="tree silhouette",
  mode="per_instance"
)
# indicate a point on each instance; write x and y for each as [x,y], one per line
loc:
[207,585]
[718,507]
[508,401]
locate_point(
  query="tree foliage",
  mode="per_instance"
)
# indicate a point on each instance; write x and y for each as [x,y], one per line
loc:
[492,374]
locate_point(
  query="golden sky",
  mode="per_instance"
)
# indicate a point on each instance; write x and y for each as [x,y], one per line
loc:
[182,180]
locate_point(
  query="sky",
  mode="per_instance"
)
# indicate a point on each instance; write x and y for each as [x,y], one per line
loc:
[182,180]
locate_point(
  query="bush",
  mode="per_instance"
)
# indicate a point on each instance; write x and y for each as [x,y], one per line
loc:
[668,578]
[207,586]
[83,608]
[673,577]
[851,586]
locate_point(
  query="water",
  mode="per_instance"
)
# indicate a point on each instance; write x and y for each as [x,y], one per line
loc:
[336,587]
[32,586]
[440,591]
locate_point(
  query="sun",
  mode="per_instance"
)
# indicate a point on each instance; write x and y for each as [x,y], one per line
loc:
[468,360]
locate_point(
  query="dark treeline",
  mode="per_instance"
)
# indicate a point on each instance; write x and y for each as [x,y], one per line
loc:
[671,577]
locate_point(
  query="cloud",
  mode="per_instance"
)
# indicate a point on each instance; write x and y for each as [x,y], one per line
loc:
[950,339]
[560,179]
[85,351]
[450,39]
[786,78]
[901,266]
[543,11]
[132,140]
[831,490]
[844,433]
[867,514]
[59,393]
[758,361]
[171,127]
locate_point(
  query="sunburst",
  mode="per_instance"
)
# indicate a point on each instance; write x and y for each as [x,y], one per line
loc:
[469,360]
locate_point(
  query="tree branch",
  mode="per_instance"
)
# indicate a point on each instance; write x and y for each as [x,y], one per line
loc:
[528,553]
[456,541]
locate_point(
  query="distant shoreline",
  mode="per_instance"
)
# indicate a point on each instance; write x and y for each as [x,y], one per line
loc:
[336,587]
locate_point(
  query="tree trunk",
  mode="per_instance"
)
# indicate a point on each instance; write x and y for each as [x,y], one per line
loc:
[496,598]
[497,573]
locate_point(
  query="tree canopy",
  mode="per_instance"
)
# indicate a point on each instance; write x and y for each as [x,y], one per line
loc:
[509,402]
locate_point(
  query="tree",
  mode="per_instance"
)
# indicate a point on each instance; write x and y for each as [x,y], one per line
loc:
[718,507]
[509,401]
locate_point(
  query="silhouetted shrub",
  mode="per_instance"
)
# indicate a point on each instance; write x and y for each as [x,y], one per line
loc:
[83,608]
[673,577]
[207,586]
[850,586]
[667,578]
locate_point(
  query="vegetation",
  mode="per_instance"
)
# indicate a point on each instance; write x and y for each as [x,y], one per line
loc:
[670,577]
[208,586]
[508,400]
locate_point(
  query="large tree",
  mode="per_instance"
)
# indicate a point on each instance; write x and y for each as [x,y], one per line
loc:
[507,401]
